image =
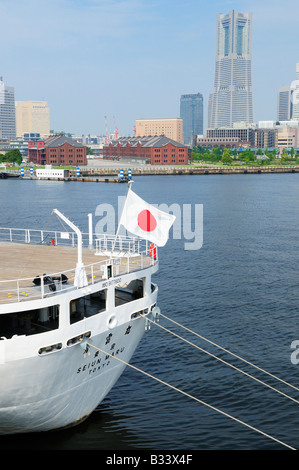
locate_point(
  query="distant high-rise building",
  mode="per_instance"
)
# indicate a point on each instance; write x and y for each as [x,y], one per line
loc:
[170,127]
[7,111]
[33,117]
[285,103]
[191,111]
[231,99]
[296,95]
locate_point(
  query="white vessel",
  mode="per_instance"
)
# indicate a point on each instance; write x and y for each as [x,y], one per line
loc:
[62,332]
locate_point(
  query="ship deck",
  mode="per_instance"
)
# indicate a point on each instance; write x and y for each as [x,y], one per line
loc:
[22,263]
[20,260]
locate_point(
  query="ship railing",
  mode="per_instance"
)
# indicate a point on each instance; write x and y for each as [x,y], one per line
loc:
[102,242]
[128,255]
[124,245]
[41,237]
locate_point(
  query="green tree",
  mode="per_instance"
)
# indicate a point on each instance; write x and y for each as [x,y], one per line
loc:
[226,157]
[195,155]
[247,156]
[218,152]
[14,156]
[284,156]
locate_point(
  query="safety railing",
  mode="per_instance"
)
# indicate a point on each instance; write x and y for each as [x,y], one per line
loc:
[41,237]
[106,244]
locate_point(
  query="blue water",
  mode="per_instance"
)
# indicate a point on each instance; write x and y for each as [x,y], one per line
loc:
[239,290]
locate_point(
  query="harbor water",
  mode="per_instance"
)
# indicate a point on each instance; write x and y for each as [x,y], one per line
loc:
[240,290]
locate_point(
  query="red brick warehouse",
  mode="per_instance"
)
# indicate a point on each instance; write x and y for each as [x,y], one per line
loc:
[157,150]
[57,150]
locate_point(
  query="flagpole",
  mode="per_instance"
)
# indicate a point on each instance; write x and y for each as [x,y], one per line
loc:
[116,235]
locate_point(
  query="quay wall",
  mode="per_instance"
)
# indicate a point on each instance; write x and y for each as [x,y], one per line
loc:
[191,170]
[111,174]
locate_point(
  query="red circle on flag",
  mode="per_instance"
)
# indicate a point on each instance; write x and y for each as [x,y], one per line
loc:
[146,221]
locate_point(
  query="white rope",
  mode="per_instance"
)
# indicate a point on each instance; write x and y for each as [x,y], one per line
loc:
[194,398]
[223,361]
[231,353]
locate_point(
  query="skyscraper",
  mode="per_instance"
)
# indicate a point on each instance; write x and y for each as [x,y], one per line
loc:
[231,99]
[33,116]
[296,95]
[7,111]
[285,103]
[191,111]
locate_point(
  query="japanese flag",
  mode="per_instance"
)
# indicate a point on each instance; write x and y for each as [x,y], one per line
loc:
[144,220]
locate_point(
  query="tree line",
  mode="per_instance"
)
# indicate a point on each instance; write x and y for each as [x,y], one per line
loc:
[228,155]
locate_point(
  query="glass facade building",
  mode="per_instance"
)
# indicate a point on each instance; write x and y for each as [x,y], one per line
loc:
[191,111]
[7,111]
[285,103]
[295,100]
[231,99]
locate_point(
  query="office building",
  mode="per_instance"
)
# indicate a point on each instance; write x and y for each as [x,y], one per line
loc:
[227,137]
[264,138]
[32,117]
[285,103]
[170,127]
[191,111]
[7,111]
[287,137]
[231,99]
[239,137]
[296,95]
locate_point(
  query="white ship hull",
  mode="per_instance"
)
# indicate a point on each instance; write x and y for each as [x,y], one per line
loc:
[64,387]
[63,349]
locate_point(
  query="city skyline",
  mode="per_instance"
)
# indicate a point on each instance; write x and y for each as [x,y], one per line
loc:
[134,58]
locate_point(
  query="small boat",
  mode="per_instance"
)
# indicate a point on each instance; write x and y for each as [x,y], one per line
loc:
[71,316]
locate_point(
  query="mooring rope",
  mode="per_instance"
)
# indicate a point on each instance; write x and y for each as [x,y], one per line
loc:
[192,397]
[221,360]
[229,352]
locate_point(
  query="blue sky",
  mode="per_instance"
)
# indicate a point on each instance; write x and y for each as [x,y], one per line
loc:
[134,58]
